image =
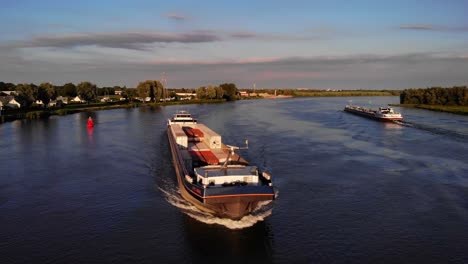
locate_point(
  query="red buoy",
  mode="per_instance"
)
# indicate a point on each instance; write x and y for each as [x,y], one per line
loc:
[90,122]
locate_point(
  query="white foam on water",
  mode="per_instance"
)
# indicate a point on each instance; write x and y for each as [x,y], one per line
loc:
[263,210]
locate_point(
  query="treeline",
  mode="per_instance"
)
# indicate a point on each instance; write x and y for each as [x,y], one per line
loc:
[227,91]
[68,89]
[457,95]
[28,93]
[147,91]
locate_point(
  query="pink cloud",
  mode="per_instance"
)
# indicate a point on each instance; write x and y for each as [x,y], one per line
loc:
[271,75]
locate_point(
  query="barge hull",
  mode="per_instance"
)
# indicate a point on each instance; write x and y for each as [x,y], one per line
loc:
[233,206]
[368,115]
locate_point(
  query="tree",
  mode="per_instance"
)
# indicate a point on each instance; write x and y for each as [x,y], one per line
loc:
[150,88]
[230,91]
[46,92]
[69,89]
[219,92]
[435,95]
[201,92]
[25,95]
[7,86]
[210,92]
[87,91]
[128,94]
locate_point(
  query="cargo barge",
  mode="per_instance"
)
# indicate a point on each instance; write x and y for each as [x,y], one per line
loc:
[386,114]
[210,174]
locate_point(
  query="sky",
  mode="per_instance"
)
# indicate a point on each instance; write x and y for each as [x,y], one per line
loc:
[272,44]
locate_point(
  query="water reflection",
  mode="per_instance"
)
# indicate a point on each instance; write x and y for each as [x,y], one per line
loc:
[90,134]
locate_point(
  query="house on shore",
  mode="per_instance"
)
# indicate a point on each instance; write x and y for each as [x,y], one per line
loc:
[4,93]
[77,99]
[9,101]
[39,103]
[64,100]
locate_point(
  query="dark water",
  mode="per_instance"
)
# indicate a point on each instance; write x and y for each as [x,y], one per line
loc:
[350,190]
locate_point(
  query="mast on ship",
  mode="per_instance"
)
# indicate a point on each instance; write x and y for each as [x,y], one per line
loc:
[232,152]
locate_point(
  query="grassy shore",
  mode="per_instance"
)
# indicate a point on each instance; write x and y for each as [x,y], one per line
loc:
[454,109]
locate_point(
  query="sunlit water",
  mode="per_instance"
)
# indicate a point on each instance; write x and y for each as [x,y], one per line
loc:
[349,189]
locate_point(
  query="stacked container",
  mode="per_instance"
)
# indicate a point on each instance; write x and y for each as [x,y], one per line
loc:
[211,138]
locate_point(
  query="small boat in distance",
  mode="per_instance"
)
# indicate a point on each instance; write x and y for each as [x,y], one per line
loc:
[386,114]
[210,175]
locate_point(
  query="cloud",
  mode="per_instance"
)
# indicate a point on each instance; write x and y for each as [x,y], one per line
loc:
[323,61]
[275,75]
[428,27]
[270,36]
[212,62]
[125,40]
[177,17]
[141,40]
[110,67]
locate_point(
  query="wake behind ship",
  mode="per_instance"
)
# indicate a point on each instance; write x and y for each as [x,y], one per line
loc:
[210,174]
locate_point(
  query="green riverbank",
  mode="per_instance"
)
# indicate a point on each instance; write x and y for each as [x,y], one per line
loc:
[454,109]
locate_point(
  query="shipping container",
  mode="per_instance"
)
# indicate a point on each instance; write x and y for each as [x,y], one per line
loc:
[180,137]
[193,132]
[211,138]
[204,156]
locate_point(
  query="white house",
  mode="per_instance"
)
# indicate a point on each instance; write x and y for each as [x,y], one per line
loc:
[185,94]
[52,103]
[13,104]
[63,99]
[8,92]
[77,99]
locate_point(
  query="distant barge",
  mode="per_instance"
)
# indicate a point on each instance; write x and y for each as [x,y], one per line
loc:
[210,174]
[386,114]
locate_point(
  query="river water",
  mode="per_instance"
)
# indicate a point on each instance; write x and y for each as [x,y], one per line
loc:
[349,189]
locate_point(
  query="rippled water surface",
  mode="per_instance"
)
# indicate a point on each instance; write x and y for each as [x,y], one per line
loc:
[349,189]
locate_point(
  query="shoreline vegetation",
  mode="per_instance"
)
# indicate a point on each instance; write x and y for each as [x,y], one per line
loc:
[454,109]
[450,100]
[41,112]
[30,101]
[44,100]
